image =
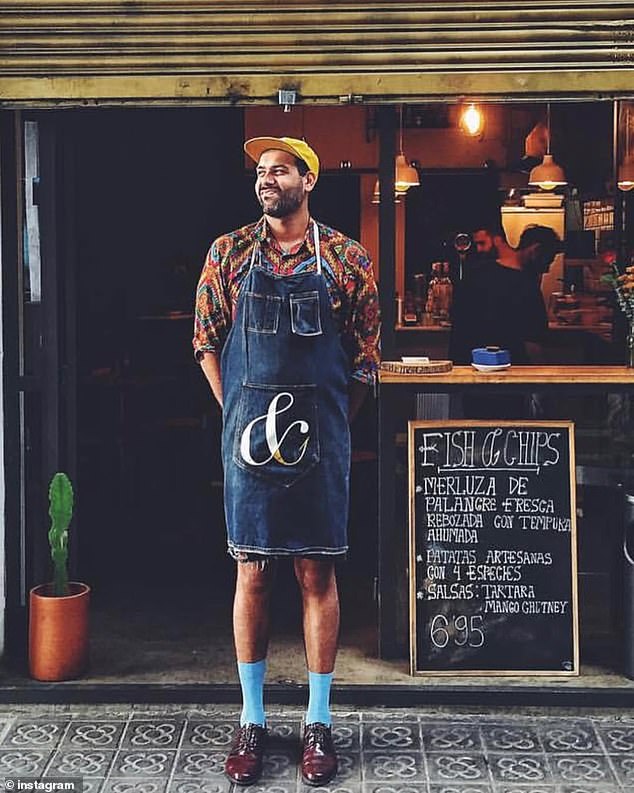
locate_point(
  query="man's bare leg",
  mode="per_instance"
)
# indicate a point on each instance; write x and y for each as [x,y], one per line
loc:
[318,586]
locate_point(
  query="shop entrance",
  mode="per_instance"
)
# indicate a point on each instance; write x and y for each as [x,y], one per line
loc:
[150,190]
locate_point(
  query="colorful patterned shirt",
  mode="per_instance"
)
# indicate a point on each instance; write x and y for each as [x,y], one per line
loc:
[349,277]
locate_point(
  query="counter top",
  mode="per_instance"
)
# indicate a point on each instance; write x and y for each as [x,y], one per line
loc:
[601,327]
[518,375]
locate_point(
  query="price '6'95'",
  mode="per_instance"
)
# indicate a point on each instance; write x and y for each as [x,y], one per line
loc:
[459,629]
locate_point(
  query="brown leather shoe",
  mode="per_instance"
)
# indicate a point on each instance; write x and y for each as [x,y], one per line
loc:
[319,759]
[244,762]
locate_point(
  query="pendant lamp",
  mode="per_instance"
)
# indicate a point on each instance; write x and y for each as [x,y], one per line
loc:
[625,179]
[405,175]
[548,175]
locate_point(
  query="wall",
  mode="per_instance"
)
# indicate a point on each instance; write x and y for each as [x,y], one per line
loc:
[3,599]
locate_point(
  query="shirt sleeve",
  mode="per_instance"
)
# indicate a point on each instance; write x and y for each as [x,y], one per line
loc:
[364,327]
[212,311]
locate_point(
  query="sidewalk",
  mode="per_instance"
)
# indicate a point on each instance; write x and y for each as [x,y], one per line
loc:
[179,749]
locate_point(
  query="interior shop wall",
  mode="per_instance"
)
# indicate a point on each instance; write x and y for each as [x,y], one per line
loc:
[155,188]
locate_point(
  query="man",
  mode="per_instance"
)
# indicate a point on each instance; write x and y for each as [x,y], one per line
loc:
[286,331]
[499,302]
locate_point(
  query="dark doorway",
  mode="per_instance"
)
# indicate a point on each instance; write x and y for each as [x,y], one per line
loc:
[154,188]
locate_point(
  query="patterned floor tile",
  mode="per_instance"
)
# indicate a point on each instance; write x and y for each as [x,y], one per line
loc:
[520,768]
[450,737]
[346,737]
[389,715]
[209,734]
[568,737]
[457,768]
[93,784]
[35,733]
[350,765]
[624,769]
[200,762]
[384,736]
[93,734]
[23,762]
[590,789]
[140,785]
[280,767]
[81,762]
[460,788]
[199,786]
[275,787]
[399,787]
[393,767]
[510,738]
[586,769]
[617,739]
[529,788]
[284,736]
[143,763]
[160,734]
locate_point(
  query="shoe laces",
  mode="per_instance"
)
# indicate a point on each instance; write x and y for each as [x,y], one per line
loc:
[248,737]
[317,734]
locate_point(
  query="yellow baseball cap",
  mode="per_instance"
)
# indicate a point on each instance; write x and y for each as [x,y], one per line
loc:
[298,148]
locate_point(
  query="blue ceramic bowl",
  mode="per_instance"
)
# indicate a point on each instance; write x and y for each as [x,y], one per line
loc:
[490,356]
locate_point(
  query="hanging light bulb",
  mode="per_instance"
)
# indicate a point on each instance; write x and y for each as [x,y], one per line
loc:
[626,175]
[547,175]
[472,120]
[626,169]
[405,175]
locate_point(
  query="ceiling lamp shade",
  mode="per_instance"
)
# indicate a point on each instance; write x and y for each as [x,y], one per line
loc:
[547,175]
[626,175]
[405,175]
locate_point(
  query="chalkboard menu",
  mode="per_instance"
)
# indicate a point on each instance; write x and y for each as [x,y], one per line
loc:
[493,563]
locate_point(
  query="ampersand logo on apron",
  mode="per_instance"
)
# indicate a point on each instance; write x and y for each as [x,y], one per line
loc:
[274,443]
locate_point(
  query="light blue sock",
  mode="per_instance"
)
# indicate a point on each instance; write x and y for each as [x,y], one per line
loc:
[319,698]
[252,684]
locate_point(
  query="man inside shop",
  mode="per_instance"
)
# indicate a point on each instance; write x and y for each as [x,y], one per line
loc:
[499,301]
[286,332]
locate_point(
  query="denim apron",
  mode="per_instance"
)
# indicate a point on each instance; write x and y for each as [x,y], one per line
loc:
[285,438]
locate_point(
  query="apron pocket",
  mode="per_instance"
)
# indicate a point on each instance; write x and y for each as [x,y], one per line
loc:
[263,312]
[305,319]
[277,433]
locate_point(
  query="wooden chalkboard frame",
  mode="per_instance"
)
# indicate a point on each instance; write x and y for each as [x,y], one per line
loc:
[415,425]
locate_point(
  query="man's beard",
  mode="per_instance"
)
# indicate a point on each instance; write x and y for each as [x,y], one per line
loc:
[284,203]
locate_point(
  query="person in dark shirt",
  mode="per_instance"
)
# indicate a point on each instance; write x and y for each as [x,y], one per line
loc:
[499,302]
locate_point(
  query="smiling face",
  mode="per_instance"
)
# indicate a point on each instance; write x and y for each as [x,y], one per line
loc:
[279,186]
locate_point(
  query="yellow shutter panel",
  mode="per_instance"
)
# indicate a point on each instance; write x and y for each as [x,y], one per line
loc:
[230,52]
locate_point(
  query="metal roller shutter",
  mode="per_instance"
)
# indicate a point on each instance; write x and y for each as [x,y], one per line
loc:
[223,52]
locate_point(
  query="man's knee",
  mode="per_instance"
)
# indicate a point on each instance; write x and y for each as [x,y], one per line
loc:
[315,576]
[255,578]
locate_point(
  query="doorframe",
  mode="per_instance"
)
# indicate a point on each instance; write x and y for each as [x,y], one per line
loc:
[12,545]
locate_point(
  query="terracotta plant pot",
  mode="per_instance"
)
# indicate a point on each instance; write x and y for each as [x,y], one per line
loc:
[58,632]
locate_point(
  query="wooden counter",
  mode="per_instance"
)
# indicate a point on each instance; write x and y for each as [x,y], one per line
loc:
[518,375]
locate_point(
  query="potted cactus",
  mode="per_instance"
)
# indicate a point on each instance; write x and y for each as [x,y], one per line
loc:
[58,611]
